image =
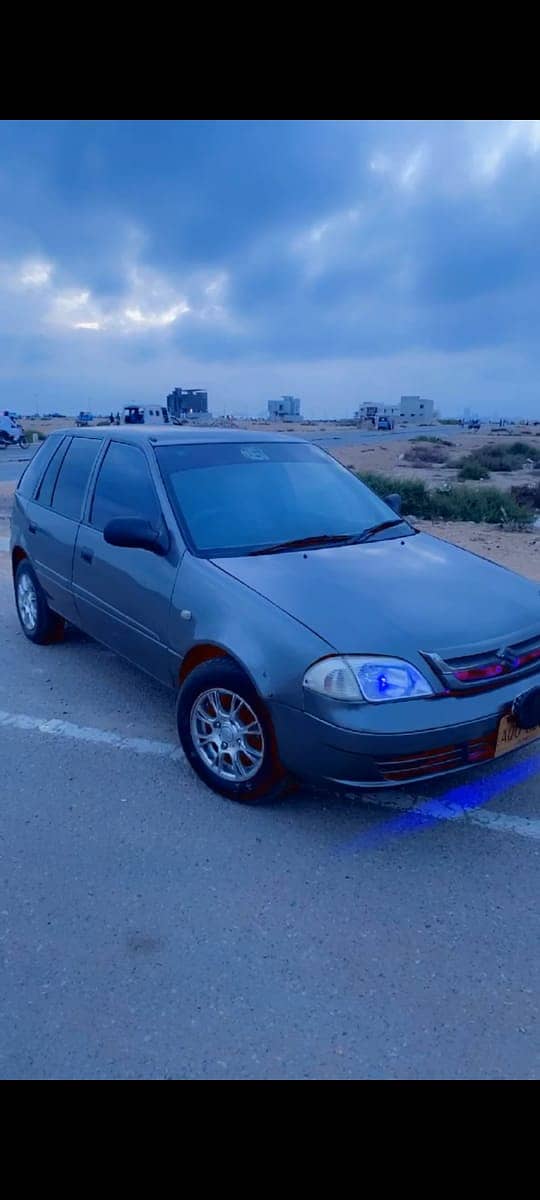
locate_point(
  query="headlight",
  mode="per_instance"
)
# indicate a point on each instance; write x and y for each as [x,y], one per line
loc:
[366,677]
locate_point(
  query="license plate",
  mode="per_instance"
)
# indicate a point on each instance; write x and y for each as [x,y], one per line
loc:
[510,736]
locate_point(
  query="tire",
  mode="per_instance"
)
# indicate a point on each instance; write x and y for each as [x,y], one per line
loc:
[254,754]
[22,443]
[38,622]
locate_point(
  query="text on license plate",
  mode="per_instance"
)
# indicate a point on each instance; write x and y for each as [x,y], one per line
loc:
[510,736]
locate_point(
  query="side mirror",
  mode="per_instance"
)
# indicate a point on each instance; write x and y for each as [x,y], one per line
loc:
[394,502]
[138,534]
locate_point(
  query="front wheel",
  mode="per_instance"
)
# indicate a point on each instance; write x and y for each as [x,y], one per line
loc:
[227,735]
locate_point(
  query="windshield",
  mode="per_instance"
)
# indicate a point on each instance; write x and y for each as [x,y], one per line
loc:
[234,498]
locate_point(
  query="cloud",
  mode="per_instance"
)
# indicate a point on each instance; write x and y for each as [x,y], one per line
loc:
[34,273]
[254,245]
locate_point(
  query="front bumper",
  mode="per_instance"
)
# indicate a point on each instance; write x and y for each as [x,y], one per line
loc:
[412,741]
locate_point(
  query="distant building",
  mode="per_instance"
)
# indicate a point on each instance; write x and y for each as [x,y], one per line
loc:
[372,412]
[412,408]
[186,402]
[286,409]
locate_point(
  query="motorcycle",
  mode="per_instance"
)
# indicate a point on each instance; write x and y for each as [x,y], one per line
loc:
[12,436]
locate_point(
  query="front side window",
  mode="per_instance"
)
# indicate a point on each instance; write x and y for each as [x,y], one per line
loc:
[124,488]
[70,488]
[234,498]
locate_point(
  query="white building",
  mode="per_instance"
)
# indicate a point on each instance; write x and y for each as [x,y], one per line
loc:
[286,409]
[372,412]
[413,408]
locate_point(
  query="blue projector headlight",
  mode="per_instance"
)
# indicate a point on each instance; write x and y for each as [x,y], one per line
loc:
[366,677]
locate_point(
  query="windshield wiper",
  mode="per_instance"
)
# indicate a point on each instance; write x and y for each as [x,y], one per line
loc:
[373,529]
[323,539]
[329,539]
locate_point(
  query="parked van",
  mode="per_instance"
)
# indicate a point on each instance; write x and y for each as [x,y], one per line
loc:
[145,414]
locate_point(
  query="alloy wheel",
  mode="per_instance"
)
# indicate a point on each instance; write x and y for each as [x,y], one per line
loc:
[227,734]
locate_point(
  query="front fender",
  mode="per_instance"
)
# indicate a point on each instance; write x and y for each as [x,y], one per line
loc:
[273,648]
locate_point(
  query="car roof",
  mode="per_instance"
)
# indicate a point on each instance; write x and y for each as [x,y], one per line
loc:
[175,434]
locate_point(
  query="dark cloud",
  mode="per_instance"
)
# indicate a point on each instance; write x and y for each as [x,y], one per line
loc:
[333,239]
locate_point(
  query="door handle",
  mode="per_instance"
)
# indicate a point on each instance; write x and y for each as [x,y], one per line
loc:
[32,527]
[87,555]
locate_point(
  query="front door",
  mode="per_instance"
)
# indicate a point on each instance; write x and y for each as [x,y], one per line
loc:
[123,595]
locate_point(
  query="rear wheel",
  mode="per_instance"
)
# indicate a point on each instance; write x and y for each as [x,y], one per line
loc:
[39,623]
[227,735]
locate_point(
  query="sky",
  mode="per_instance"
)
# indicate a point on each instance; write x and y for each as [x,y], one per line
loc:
[341,261]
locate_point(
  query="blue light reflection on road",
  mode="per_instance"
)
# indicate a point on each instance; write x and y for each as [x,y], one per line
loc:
[451,805]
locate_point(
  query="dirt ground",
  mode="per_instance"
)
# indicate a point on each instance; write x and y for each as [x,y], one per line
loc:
[388,459]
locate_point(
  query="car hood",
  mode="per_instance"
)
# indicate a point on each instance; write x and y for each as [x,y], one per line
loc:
[397,595]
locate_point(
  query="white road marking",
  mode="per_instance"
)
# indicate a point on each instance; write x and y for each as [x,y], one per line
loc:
[4,543]
[498,822]
[85,733]
[506,823]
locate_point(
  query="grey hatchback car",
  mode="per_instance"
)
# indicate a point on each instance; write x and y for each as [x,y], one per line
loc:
[308,630]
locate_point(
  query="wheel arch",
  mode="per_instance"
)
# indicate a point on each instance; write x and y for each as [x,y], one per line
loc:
[205,652]
[17,556]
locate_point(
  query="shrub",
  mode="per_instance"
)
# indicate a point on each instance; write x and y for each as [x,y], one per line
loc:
[425,454]
[413,492]
[449,421]
[455,503]
[523,449]
[526,495]
[509,457]
[436,441]
[473,470]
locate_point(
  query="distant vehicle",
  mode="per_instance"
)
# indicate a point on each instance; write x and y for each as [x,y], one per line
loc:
[251,574]
[84,418]
[11,433]
[385,423]
[145,414]
[474,425]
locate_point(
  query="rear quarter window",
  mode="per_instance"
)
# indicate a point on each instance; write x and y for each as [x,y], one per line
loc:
[32,474]
[70,487]
[48,480]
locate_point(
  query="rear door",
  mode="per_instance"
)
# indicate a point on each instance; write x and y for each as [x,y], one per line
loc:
[53,517]
[123,595]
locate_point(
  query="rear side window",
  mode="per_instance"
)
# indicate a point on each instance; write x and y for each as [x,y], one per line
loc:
[31,476]
[46,487]
[74,474]
[124,488]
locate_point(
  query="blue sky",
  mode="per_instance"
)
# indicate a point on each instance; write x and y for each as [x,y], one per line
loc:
[342,261]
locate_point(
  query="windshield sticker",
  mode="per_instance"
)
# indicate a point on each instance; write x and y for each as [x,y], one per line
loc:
[254,453]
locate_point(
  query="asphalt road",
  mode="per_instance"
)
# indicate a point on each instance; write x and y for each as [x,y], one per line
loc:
[149,929]
[13,462]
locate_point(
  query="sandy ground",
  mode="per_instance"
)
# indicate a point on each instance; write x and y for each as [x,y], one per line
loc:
[389,459]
